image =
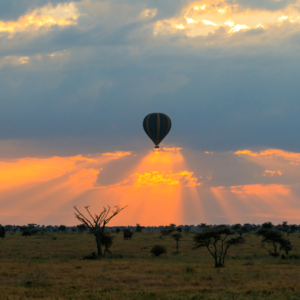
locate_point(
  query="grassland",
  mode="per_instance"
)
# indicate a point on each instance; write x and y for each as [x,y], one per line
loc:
[42,267]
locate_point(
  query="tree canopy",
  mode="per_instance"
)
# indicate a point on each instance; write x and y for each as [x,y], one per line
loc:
[217,242]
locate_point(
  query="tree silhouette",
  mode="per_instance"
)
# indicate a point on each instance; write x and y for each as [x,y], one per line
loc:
[127,234]
[186,229]
[98,222]
[217,243]
[106,241]
[176,236]
[62,228]
[2,232]
[267,225]
[81,228]
[139,228]
[286,246]
[275,238]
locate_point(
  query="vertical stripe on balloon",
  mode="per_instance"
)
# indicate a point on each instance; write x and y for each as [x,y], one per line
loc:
[169,124]
[158,126]
[147,125]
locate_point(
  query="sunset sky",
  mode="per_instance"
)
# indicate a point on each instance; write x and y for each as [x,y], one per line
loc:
[78,78]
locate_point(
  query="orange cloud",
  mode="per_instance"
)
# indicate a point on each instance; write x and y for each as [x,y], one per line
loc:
[61,15]
[172,149]
[293,157]
[85,178]
[272,173]
[118,154]
[26,170]
[156,178]
[261,190]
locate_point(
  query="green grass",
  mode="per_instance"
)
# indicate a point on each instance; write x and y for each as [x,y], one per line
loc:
[39,267]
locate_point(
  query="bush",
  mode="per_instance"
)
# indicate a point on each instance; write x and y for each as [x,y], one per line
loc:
[157,250]
[2,232]
[106,241]
[127,234]
[62,228]
[139,228]
[26,233]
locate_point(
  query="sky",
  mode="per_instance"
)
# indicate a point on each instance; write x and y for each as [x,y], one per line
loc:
[77,79]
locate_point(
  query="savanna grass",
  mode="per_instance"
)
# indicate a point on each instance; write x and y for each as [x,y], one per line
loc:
[40,267]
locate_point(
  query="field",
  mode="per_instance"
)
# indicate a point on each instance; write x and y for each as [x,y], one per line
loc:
[42,267]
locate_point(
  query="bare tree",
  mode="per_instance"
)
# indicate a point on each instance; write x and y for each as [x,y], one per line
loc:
[97,224]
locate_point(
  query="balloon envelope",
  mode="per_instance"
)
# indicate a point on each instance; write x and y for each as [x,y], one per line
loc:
[157,126]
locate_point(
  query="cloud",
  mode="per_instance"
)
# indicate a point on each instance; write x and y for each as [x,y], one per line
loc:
[118,154]
[261,190]
[174,149]
[61,15]
[10,10]
[85,178]
[184,178]
[218,188]
[200,19]
[27,170]
[261,4]
[292,157]
[226,75]
[60,71]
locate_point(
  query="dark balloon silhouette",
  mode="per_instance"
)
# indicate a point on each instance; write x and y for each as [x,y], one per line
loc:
[157,126]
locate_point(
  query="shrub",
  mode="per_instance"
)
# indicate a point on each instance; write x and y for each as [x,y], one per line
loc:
[2,232]
[106,241]
[81,228]
[157,250]
[26,233]
[62,228]
[139,228]
[187,229]
[127,234]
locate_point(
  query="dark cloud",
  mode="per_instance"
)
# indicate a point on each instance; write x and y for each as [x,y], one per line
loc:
[12,10]
[231,95]
[262,4]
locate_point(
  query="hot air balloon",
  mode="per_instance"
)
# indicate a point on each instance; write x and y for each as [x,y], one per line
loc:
[157,126]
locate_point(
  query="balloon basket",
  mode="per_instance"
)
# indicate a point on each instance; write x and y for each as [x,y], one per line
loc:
[156,147]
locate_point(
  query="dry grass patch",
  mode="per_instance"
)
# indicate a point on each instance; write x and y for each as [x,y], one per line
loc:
[39,267]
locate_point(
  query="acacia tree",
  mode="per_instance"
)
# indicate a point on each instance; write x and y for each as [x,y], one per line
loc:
[286,246]
[274,237]
[176,236]
[98,222]
[217,243]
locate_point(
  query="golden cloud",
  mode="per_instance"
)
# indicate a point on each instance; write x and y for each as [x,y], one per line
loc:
[28,170]
[118,154]
[34,59]
[85,178]
[174,149]
[204,17]
[61,15]
[293,157]
[272,173]
[161,178]
[260,189]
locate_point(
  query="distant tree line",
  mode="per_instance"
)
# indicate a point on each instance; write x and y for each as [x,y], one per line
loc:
[217,239]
